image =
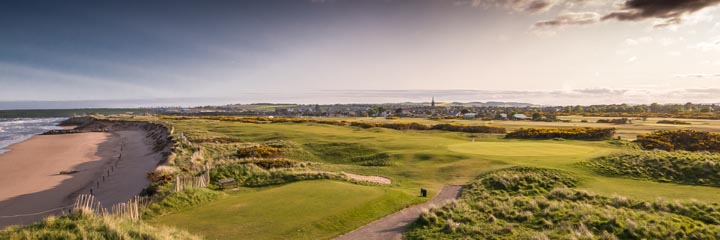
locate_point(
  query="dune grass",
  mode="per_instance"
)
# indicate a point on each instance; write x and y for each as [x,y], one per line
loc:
[90,226]
[692,168]
[179,201]
[532,203]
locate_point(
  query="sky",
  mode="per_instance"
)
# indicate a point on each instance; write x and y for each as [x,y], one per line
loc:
[342,51]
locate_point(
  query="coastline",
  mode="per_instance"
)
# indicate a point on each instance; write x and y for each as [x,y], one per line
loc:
[113,164]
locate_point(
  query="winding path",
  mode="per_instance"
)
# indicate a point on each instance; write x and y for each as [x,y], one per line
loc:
[393,225]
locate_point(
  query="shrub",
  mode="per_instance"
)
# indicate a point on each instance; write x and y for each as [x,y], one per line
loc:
[396,126]
[676,122]
[615,121]
[468,128]
[444,127]
[586,133]
[250,175]
[274,163]
[260,151]
[688,140]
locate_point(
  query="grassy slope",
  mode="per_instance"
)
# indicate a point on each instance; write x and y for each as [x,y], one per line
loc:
[533,203]
[639,189]
[90,226]
[302,210]
[427,159]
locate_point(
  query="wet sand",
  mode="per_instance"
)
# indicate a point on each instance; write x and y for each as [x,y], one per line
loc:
[31,186]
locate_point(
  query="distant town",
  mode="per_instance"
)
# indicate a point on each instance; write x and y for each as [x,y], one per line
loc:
[431,109]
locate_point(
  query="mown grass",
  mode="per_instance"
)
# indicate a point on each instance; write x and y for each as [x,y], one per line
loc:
[530,203]
[302,210]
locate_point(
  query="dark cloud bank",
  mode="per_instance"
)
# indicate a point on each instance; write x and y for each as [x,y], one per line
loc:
[670,11]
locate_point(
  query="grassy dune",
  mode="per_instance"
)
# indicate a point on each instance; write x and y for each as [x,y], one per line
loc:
[533,203]
[91,226]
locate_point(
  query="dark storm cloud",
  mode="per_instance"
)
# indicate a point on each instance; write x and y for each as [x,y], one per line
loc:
[578,18]
[670,10]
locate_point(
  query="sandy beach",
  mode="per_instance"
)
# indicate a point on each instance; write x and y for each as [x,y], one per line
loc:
[114,165]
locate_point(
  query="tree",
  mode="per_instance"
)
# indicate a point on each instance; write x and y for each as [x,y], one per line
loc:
[372,112]
[536,116]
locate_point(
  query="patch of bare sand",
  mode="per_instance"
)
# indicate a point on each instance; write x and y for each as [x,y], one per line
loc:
[30,173]
[372,179]
[114,165]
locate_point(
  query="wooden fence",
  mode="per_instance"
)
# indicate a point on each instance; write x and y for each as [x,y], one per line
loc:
[128,210]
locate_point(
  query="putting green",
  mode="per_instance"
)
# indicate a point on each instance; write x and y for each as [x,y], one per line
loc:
[535,149]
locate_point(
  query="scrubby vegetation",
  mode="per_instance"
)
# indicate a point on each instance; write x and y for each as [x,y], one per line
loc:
[586,133]
[530,203]
[90,226]
[259,151]
[615,121]
[676,122]
[680,167]
[396,126]
[403,126]
[469,128]
[688,140]
[250,175]
[444,127]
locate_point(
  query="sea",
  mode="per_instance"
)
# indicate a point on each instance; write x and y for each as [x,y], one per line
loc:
[15,130]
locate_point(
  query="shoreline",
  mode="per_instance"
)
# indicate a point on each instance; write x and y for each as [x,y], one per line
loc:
[113,164]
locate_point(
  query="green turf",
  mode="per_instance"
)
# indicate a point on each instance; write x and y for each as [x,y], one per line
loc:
[302,210]
[428,159]
[520,149]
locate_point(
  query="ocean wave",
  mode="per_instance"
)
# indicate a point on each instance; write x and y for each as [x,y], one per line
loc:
[15,130]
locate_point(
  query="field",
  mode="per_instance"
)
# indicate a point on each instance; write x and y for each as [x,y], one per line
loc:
[429,159]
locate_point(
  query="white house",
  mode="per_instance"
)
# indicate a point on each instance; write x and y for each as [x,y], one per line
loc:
[520,116]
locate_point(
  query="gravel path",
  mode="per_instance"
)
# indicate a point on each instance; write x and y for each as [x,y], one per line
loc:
[393,225]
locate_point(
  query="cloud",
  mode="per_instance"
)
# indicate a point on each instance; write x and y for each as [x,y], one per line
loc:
[530,6]
[601,91]
[638,41]
[698,75]
[670,11]
[632,59]
[711,45]
[572,18]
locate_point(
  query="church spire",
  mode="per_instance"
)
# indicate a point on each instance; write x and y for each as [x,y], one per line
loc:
[432,104]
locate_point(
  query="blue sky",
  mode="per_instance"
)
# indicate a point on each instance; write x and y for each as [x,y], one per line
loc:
[630,51]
